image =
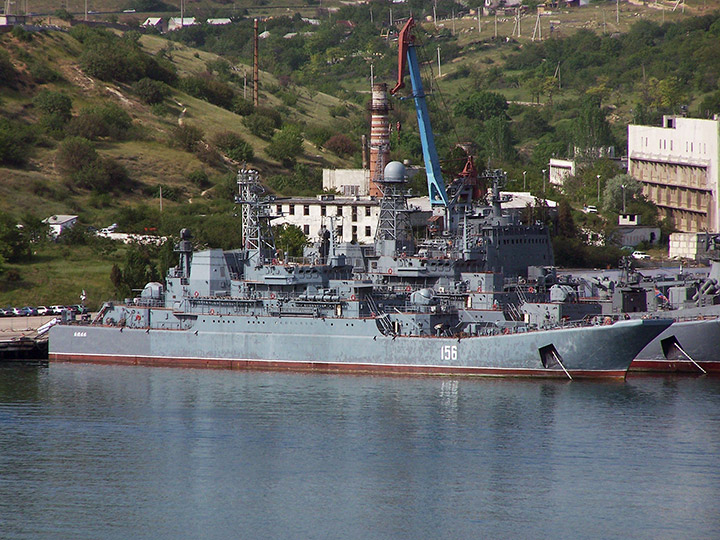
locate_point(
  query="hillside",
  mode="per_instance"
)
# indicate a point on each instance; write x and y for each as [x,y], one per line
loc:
[173,111]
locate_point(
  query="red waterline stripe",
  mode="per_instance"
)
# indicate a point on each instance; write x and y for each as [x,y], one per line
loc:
[673,366]
[328,367]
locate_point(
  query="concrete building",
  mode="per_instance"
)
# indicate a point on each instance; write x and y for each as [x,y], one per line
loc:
[678,166]
[347,182]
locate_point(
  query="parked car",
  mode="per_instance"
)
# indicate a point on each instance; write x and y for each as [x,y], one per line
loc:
[6,312]
[42,310]
[640,255]
[56,310]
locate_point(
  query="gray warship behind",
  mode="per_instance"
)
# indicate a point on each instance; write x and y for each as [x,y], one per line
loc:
[439,307]
[690,345]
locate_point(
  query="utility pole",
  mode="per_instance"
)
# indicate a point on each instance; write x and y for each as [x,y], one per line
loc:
[524,183]
[439,68]
[256,73]
[478,15]
[598,197]
[617,13]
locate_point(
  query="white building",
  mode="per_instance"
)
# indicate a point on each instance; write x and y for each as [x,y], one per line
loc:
[59,223]
[347,182]
[355,218]
[219,22]
[678,166]
[176,22]
[560,169]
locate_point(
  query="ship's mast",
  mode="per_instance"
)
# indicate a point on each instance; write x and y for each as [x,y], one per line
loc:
[258,241]
[394,235]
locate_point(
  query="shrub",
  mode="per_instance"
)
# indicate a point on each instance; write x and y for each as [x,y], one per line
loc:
[259,125]
[234,146]
[13,143]
[73,154]
[150,91]
[187,136]
[8,73]
[242,106]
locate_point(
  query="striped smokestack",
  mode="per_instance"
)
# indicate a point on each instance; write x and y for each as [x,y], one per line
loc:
[379,136]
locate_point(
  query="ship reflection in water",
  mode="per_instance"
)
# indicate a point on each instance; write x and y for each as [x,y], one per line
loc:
[123,452]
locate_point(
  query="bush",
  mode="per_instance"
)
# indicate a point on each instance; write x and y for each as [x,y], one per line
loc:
[199,177]
[14,143]
[259,125]
[73,154]
[108,120]
[242,106]
[234,146]
[103,174]
[187,136]
[150,91]
[8,73]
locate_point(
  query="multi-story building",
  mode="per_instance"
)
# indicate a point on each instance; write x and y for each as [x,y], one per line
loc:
[678,166]
[354,218]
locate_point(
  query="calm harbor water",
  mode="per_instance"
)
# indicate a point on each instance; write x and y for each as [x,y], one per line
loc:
[122,452]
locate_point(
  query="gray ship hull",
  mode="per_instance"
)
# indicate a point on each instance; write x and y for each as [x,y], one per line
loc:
[356,345]
[687,346]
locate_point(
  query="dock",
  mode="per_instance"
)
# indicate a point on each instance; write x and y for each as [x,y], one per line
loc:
[20,342]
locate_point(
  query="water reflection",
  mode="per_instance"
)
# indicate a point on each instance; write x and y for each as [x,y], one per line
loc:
[113,452]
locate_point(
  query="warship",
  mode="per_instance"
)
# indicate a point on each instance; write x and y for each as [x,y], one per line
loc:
[692,300]
[426,309]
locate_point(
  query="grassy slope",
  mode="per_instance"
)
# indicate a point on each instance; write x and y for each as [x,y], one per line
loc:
[58,273]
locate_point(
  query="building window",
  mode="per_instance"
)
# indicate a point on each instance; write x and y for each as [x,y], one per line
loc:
[292,209]
[339,210]
[367,231]
[323,210]
[367,211]
[340,231]
[354,213]
[279,208]
[306,210]
[306,229]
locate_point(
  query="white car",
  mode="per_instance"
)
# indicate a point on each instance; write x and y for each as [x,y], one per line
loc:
[42,310]
[640,255]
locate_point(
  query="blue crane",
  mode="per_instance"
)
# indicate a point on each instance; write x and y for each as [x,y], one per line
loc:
[408,57]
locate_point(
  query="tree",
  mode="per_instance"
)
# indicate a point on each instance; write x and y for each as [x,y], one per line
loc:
[591,128]
[498,139]
[289,240]
[614,193]
[341,144]
[286,145]
[55,109]
[482,106]
[566,224]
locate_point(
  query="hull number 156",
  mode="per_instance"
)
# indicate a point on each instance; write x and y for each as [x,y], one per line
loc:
[448,352]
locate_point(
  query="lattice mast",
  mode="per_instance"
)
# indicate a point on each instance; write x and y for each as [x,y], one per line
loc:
[257,237]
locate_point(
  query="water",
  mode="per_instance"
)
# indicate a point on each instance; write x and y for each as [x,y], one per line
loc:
[123,452]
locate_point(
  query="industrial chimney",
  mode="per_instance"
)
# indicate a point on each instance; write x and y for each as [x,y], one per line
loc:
[379,137]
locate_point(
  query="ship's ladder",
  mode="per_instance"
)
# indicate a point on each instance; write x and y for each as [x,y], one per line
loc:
[381,319]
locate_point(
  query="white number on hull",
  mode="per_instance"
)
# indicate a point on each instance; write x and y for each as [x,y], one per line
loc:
[448,352]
